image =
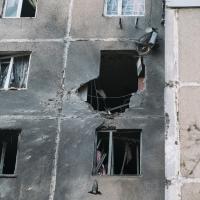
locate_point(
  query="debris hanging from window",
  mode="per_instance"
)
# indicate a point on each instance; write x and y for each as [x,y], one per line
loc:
[117,152]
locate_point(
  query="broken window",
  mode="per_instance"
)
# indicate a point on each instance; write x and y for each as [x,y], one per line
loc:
[117,152]
[20,8]
[8,151]
[14,71]
[125,7]
[121,74]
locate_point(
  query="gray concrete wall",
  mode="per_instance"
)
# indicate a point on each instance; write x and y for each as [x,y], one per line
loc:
[34,160]
[66,38]
[182,104]
[50,22]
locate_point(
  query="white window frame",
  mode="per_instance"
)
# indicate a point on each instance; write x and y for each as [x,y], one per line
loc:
[111,158]
[2,156]
[19,10]
[119,10]
[182,3]
[7,81]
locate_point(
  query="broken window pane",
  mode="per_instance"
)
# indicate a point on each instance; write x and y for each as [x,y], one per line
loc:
[14,71]
[117,152]
[20,8]
[112,7]
[120,77]
[11,8]
[8,150]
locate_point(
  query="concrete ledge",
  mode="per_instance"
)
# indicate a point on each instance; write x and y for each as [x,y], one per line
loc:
[182,3]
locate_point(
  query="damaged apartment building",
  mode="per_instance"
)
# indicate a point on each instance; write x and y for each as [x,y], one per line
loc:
[82,100]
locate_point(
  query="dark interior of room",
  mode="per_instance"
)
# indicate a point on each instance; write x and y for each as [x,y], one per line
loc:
[125,152]
[28,9]
[8,139]
[117,80]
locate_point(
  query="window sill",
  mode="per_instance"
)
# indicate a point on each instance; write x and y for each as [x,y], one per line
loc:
[119,176]
[183,4]
[8,175]
[121,16]
[14,89]
[18,17]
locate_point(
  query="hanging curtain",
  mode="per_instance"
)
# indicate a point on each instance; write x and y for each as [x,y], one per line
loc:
[112,7]
[133,7]
[4,66]
[11,8]
[127,7]
[3,74]
[19,72]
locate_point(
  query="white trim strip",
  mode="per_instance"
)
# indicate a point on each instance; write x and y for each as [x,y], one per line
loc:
[4,8]
[119,10]
[6,85]
[4,145]
[19,8]
[110,152]
[28,71]
[105,7]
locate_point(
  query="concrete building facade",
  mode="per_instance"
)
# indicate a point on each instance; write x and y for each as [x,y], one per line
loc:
[182,100]
[58,129]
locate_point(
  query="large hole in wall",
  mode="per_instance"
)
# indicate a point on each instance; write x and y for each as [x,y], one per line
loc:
[122,73]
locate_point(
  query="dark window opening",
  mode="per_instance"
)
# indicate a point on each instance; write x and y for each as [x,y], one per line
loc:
[122,73]
[28,8]
[8,150]
[117,152]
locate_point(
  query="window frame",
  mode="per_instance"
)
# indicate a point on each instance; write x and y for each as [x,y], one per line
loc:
[119,10]
[111,142]
[19,10]
[12,57]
